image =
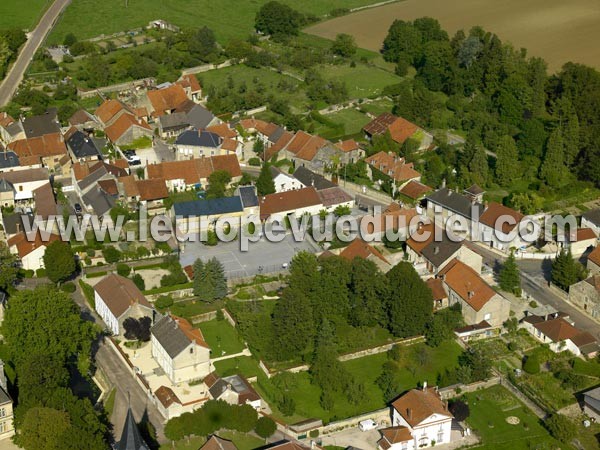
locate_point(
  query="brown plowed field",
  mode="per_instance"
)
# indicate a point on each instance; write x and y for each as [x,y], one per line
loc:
[557,30]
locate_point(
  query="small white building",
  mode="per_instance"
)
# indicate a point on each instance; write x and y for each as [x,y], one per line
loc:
[30,251]
[419,419]
[284,182]
[499,227]
[180,349]
[118,298]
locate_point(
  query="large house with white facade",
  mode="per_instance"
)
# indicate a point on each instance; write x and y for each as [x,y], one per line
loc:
[118,298]
[419,419]
[180,349]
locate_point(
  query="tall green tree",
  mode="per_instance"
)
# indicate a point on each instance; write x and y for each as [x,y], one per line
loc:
[8,268]
[265,184]
[59,261]
[409,302]
[368,288]
[210,283]
[44,429]
[344,45]
[478,166]
[293,325]
[552,170]
[566,271]
[507,161]
[277,19]
[510,278]
[332,290]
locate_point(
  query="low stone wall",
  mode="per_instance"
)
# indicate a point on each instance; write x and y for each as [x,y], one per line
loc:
[203,317]
[381,416]
[458,389]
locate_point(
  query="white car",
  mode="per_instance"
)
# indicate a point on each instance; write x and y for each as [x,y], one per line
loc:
[367,425]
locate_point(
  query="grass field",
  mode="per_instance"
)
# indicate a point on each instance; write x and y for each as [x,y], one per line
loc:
[228,19]
[222,338]
[362,81]
[243,365]
[14,14]
[556,30]
[241,440]
[366,370]
[489,410]
[351,120]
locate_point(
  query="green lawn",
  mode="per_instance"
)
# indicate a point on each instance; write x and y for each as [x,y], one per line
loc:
[190,308]
[365,370]
[489,410]
[379,106]
[244,365]
[14,14]
[352,121]
[228,19]
[362,81]
[222,338]
[109,402]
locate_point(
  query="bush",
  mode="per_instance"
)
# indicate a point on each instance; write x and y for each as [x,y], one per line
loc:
[163,302]
[459,409]
[40,273]
[560,427]
[69,287]
[512,346]
[138,281]
[313,433]
[532,365]
[254,161]
[28,273]
[123,269]
[265,427]
[111,254]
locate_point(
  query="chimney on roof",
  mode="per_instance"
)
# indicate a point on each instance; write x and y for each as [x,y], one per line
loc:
[436,249]
[471,294]
[424,386]
[409,413]
[444,183]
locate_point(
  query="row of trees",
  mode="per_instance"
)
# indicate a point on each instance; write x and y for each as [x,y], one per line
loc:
[540,127]
[46,340]
[10,42]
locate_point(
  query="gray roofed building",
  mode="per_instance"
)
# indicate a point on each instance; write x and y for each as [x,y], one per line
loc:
[171,336]
[15,223]
[82,145]
[593,216]
[99,201]
[439,252]
[47,123]
[8,160]
[198,116]
[211,207]
[92,178]
[201,138]
[15,128]
[175,121]
[131,438]
[456,203]
[275,135]
[248,196]
[309,178]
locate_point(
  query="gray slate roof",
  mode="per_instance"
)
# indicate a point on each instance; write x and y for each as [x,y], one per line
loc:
[8,160]
[131,439]
[309,178]
[93,177]
[14,128]
[15,222]
[46,123]
[248,196]
[210,207]
[5,186]
[200,117]
[438,252]
[199,139]
[170,336]
[593,215]
[99,201]
[82,146]
[456,203]
[175,120]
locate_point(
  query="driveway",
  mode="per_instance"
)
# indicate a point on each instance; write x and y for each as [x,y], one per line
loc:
[365,440]
[36,37]
[269,255]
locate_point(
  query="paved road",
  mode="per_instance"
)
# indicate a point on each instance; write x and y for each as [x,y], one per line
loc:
[534,280]
[36,38]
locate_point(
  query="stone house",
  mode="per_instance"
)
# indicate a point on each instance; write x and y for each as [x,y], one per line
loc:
[586,295]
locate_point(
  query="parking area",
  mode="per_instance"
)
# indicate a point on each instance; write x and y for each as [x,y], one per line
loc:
[353,437]
[262,256]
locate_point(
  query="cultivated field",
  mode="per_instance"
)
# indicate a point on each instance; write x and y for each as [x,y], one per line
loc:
[227,18]
[557,30]
[14,13]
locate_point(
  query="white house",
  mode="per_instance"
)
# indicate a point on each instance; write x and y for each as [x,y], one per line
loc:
[499,226]
[30,252]
[25,182]
[284,182]
[118,298]
[591,219]
[419,419]
[301,201]
[180,349]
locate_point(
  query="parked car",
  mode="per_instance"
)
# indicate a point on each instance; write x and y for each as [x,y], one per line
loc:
[78,208]
[367,425]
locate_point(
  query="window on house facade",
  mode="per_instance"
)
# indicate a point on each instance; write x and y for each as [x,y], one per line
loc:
[440,436]
[2,412]
[2,427]
[488,316]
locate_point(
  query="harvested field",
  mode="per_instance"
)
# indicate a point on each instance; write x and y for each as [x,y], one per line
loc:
[557,30]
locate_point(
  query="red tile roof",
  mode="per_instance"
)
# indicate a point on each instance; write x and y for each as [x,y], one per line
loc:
[396,435]
[437,288]
[467,283]
[194,170]
[190,81]
[288,201]
[394,166]
[348,145]
[417,405]
[109,109]
[584,234]
[400,129]
[496,211]
[118,128]
[167,99]
[360,249]
[47,145]
[26,246]
[594,256]
[154,189]
[166,396]
[223,130]
[413,189]
[193,334]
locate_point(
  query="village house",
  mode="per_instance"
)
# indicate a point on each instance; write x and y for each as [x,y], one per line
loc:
[399,129]
[17,187]
[283,181]
[591,219]
[298,202]
[180,349]
[10,129]
[7,428]
[478,301]
[10,161]
[121,125]
[335,197]
[350,151]
[14,224]
[302,151]
[309,178]
[420,418]
[593,261]
[414,190]
[82,146]
[445,205]
[392,166]
[84,121]
[234,389]
[591,403]
[49,150]
[560,335]
[149,193]
[182,175]
[361,249]
[586,294]
[118,298]
[580,240]
[395,222]
[193,144]
[440,296]
[30,251]
[499,227]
